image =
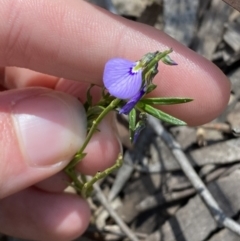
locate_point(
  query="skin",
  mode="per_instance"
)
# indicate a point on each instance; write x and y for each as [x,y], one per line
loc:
[54,47]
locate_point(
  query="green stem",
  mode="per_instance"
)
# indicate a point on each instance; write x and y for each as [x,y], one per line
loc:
[77,184]
[93,128]
[88,186]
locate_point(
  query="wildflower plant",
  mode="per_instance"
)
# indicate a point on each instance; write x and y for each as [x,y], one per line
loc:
[125,85]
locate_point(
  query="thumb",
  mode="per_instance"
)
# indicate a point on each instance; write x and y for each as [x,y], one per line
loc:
[41,130]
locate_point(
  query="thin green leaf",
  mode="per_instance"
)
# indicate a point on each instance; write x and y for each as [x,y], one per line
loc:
[150,88]
[165,101]
[105,94]
[92,115]
[132,123]
[161,115]
[167,60]
[141,124]
[76,159]
[86,106]
[95,111]
[80,156]
[89,96]
[88,102]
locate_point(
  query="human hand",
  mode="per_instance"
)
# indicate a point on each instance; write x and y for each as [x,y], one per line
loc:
[41,128]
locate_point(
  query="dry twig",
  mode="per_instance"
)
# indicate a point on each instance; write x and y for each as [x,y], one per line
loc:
[224,127]
[197,183]
[113,214]
[233,3]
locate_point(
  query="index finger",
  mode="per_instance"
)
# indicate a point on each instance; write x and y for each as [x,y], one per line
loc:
[73,39]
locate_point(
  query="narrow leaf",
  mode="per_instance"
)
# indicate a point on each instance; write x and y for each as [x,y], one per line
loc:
[165,100]
[89,96]
[161,115]
[167,60]
[92,115]
[80,156]
[140,126]
[95,111]
[132,123]
[150,88]
[105,94]
[76,159]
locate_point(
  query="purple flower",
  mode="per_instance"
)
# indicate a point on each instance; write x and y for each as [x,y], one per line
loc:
[121,78]
[129,80]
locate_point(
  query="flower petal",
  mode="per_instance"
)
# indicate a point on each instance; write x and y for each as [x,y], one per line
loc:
[120,79]
[132,102]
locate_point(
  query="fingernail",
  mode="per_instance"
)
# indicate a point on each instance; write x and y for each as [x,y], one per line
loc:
[50,127]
